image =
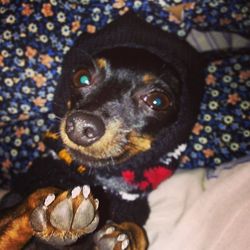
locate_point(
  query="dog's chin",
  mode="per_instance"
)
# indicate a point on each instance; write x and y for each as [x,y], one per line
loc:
[92,162]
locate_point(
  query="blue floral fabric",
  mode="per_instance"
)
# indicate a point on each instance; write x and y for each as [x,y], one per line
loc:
[233,16]
[34,37]
[222,130]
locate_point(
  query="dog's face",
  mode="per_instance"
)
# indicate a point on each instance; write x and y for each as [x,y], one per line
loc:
[120,100]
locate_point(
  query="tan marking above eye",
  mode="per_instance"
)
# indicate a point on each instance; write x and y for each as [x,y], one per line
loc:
[148,78]
[101,63]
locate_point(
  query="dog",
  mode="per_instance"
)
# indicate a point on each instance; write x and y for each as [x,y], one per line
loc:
[120,108]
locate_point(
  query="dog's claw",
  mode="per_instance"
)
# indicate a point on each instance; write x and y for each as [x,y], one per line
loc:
[125,244]
[109,230]
[96,203]
[86,191]
[49,199]
[75,192]
[121,237]
[61,219]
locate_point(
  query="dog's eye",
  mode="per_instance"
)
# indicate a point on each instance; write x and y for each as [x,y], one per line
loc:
[81,78]
[157,101]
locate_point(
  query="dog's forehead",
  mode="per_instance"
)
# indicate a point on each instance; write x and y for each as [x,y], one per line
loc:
[131,58]
[128,68]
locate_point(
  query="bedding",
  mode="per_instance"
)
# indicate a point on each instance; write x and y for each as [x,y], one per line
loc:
[205,204]
[195,210]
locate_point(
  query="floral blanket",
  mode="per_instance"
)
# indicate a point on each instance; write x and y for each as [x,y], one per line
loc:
[35,35]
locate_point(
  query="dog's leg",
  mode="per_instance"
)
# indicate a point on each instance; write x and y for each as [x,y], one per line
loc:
[15,227]
[58,218]
[15,232]
[126,235]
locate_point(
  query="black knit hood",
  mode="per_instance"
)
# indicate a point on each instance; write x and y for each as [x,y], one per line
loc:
[145,171]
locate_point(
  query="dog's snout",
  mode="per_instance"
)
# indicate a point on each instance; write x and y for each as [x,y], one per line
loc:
[84,129]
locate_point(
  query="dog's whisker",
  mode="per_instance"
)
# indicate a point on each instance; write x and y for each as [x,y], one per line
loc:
[138,136]
[58,117]
[91,170]
[112,161]
[121,131]
[135,146]
[57,133]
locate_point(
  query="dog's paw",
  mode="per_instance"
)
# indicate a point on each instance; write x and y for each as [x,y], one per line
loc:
[124,236]
[62,218]
[112,237]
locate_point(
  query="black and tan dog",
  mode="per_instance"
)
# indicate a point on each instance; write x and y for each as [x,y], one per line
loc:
[128,95]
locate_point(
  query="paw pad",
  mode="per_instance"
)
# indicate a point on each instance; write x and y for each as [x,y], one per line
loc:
[64,217]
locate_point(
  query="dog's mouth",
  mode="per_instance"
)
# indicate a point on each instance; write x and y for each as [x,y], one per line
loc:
[114,144]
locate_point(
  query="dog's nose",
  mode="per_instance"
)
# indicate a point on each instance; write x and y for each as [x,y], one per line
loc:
[84,129]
